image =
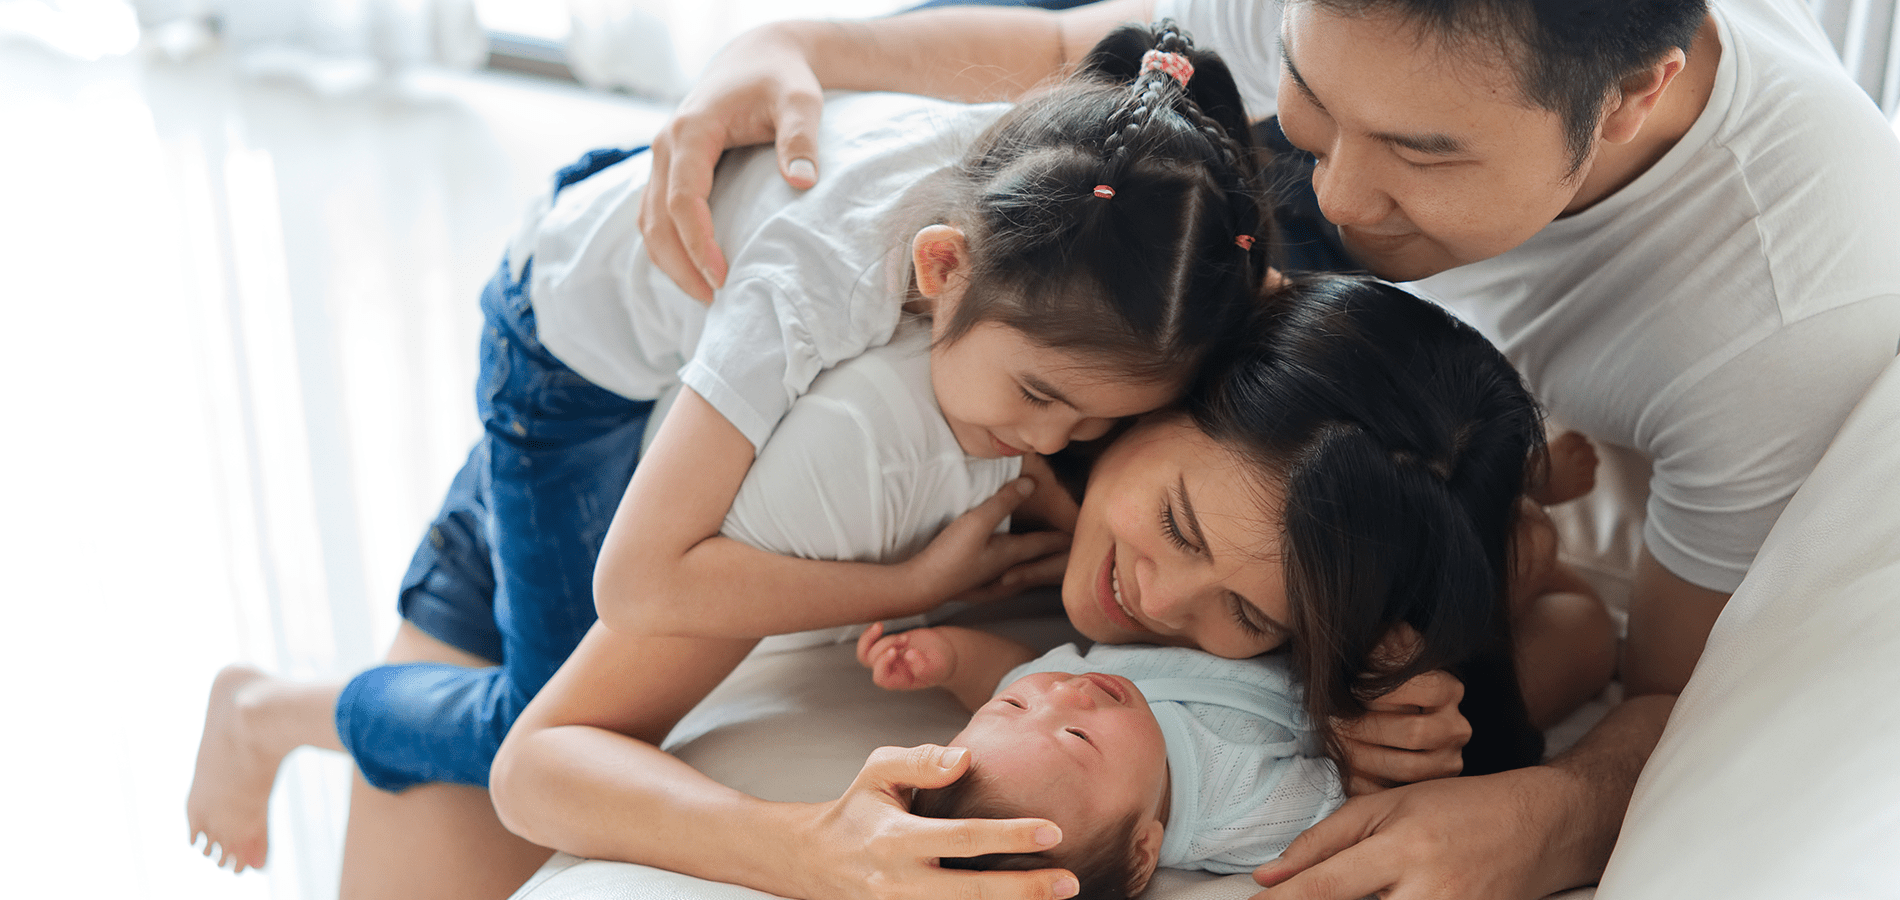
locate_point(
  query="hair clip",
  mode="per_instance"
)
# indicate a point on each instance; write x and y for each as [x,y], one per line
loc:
[1175,64]
[1244,241]
[1104,191]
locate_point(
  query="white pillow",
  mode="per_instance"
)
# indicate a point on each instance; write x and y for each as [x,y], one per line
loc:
[1779,773]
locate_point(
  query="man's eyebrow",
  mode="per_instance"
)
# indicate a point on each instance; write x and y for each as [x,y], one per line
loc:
[1046,389]
[1193,522]
[1433,144]
[1293,72]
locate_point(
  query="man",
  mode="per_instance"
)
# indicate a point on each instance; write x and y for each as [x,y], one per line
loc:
[1677,219]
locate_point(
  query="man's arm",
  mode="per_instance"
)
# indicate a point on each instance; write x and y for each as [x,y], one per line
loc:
[1670,620]
[767,86]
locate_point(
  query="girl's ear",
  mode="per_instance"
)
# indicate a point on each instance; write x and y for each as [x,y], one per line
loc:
[941,259]
[1147,854]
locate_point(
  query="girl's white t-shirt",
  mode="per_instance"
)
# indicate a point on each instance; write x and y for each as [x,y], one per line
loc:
[1721,314]
[810,278]
[863,467]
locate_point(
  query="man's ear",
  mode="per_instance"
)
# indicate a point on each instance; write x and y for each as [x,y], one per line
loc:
[941,259]
[1637,97]
[1147,854]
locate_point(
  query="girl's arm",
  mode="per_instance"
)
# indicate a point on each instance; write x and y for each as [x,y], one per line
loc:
[570,777]
[664,568]
[968,663]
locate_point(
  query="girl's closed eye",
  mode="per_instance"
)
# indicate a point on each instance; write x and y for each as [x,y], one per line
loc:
[1033,399]
[1081,734]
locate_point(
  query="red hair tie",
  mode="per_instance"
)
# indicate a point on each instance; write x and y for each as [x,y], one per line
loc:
[1244,241]
[1172,63]
[1104,191]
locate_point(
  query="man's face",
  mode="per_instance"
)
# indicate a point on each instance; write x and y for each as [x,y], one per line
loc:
[1428,157]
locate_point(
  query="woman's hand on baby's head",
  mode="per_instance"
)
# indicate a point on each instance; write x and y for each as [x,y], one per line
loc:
[867,846]
[906,661]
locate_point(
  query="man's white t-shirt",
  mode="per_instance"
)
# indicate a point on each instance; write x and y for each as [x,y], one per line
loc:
[1721,314]
[810,280]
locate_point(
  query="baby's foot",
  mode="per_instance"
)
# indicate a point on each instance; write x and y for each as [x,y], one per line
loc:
[230,788]
[1572,472]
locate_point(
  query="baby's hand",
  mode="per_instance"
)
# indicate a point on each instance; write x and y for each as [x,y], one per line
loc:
[907,661]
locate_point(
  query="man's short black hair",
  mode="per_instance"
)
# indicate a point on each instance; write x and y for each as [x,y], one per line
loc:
[1569,54]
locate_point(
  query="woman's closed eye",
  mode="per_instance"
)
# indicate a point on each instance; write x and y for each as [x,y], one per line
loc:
[1171,526]
[1244,614]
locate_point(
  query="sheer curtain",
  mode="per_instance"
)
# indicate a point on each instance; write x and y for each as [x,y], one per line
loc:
[1867,33]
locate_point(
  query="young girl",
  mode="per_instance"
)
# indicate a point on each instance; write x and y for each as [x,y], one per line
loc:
[1074,265]
[1355,467]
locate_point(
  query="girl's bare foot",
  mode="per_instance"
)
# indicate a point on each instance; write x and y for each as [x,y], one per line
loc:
[230,788]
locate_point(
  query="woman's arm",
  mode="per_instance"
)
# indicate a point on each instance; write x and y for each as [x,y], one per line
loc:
[665,570]
[570,777]
[767,86]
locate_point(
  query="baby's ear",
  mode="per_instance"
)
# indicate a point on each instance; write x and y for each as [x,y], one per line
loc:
[1147,854]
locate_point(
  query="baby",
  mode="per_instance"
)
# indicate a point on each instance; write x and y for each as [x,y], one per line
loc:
[1144,756]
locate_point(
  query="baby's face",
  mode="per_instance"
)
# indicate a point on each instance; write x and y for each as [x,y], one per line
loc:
[1083,751]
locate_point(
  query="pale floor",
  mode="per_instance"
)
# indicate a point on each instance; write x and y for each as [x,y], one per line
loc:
[240,326]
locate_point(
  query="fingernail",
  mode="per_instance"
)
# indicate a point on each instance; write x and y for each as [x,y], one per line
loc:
[802,168]
[1025,486]
[950,757]
[1049,836]
[1269,877]
[1066,887]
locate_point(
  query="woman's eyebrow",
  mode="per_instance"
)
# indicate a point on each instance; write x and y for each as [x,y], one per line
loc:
[1193,522]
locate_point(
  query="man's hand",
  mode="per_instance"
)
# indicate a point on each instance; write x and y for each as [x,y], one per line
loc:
[759,89]
[1482,838]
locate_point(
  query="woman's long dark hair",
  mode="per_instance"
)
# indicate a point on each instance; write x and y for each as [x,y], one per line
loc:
[1398,438]
[1147,277]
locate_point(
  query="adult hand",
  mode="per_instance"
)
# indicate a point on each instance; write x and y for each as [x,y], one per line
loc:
[1415,733]
[969,560]
[758,89]
[1491,837]
[867,846]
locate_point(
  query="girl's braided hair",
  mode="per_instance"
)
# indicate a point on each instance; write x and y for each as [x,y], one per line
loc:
[1148,275]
